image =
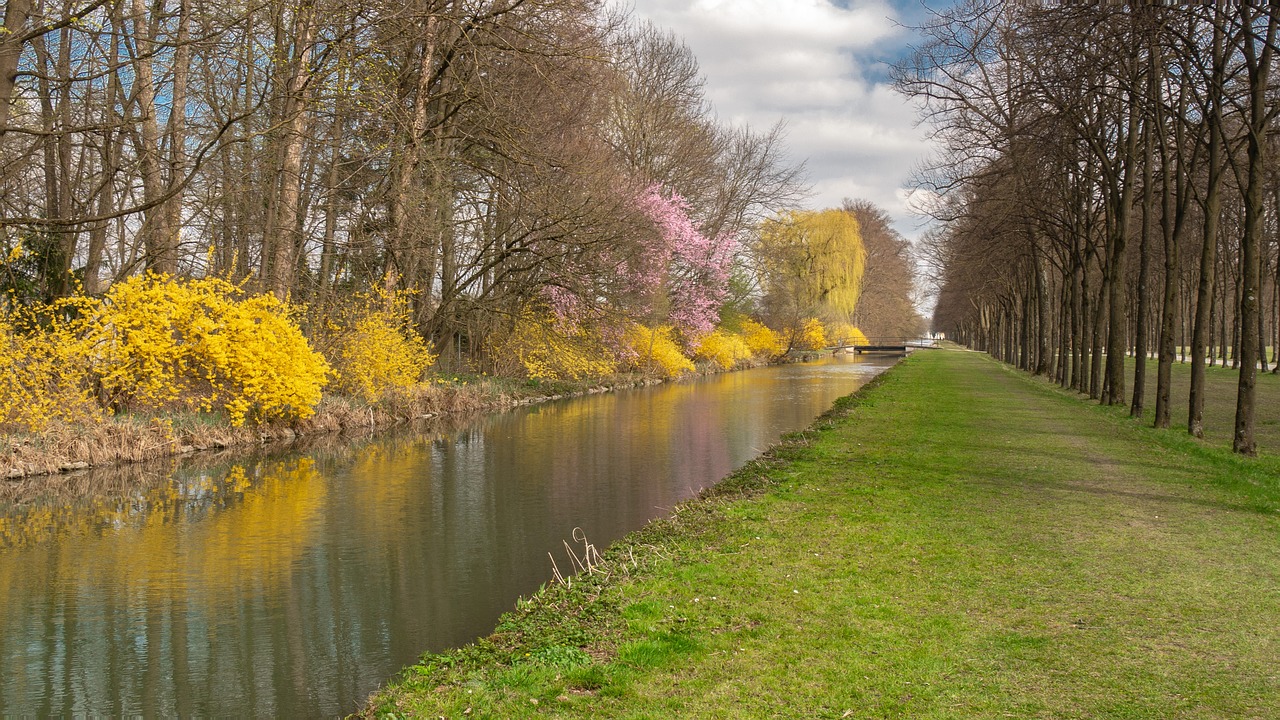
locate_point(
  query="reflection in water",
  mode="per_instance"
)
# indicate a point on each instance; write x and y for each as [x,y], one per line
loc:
[294,585]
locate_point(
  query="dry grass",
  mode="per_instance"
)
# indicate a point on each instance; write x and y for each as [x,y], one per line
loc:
[133,438]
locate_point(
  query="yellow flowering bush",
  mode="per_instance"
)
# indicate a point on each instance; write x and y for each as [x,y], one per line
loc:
[206,344]
[45,355]
[654,350]
[847,334]
[373,346]
[811,335]
[761,340]
[546,350]
[724,348]
[154,343]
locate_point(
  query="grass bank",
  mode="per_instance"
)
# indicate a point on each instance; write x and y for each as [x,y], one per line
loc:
[957,540]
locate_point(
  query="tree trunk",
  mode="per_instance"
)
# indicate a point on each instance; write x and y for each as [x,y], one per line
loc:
[1043,354]
[16,13]
[1095,350]
[1275,306]
[1175,192]
[177,129]
[406,213]
[1079,314]
[1114,393]
[1169,322]
[1202,328]
[1144,252]
[328,247]
[1065,322]
[110,157]
[160,242]
[287,216]
[1259,68]
[52,275]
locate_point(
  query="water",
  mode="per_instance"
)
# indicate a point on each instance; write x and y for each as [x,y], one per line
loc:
[296,583]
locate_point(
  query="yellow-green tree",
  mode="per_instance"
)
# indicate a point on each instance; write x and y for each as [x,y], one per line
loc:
[811,264]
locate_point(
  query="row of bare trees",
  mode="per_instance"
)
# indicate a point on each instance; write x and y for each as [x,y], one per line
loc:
[1106,190]
[476,152]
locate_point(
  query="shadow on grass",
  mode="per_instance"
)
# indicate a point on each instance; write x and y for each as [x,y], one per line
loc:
[1066,486]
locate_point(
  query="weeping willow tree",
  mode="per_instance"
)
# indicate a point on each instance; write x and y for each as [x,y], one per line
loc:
[811,265]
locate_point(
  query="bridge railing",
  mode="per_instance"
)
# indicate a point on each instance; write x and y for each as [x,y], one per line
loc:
[882,341]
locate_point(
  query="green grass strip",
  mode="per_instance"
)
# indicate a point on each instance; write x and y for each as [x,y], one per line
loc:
[956,540]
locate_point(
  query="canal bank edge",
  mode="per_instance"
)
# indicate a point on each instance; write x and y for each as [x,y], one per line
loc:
[570,625]
[116,441]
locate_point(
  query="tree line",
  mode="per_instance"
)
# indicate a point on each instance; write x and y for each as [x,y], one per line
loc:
[1106,189]
[476,155]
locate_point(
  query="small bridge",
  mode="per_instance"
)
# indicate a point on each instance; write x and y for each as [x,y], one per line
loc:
[885,345]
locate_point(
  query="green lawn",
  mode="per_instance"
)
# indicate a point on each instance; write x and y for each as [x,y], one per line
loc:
[1220,403]
[958,540]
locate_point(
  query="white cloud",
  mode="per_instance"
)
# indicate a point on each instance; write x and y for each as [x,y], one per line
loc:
[812,64]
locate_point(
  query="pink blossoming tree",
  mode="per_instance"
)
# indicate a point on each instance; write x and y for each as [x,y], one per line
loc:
[674,275]
[692,268]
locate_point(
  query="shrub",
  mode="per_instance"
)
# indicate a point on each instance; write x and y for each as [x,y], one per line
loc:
[551,349]
[724,348]
[654,350]
[373,347]
[846,334]
[205,344]
[153,343]
[46,356]
[762,341]
[811,335]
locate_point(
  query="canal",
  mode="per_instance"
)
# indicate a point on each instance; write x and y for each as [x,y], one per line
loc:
[295,583]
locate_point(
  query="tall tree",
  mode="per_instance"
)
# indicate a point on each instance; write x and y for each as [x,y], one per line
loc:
[812,264]
[886,304]
[1258,31]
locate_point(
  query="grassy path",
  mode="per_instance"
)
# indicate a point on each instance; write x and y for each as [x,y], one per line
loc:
[958,541]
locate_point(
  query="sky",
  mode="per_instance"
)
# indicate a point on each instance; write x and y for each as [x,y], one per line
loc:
[822,68]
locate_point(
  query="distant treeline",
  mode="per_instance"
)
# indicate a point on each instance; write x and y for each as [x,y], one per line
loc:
[1107,189]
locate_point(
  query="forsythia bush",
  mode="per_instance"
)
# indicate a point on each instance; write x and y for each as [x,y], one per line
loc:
[46,375]
[812,335]
[654,349]
[549,352]
[206,344]
[724,348]
[152,342]
[847,334]
[373,346]
[761,340]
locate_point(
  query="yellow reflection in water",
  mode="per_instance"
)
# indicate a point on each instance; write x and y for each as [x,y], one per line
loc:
[210,530]
[259,538]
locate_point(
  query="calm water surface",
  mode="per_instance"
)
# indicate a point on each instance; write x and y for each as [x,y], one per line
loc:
[294,584]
